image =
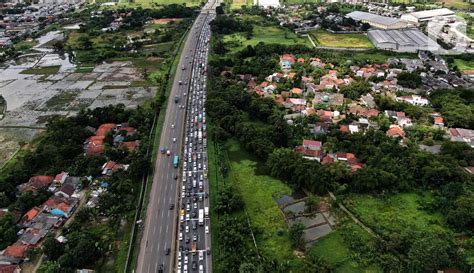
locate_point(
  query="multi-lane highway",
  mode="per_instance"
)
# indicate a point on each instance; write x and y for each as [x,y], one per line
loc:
[179,189]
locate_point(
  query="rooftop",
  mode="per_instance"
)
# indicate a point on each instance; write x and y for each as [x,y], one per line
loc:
[367,16]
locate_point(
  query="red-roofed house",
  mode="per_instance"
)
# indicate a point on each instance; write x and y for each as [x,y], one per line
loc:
[30,215]
[105,128]
[110,167]
[279,100]
[287,61]
[349,157]
[296,91]
[130,145]
[314,145]
[438,121]
[327,160]
[344,129]
[395,131]
[17,251]
[9,268]
[61,177]
[60,206]
[35,183]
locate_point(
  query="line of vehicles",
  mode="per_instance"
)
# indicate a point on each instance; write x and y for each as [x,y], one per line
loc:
[193,234]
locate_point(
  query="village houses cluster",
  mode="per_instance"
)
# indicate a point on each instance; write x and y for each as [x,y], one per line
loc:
[321,97]
[67,194]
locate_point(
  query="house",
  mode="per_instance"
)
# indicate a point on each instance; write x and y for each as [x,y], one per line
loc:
[331,99]
[9,268]
[287,61]
[60,178]
[60,206]
[469,170]
[313,145]
[327,159]
[130,145]
[349,157]
[17,251]
[36,183]
[67,190]
[296,91]
[404,122]
[462,135]
[95,145]
[110,167]
[414,100]
[395,131]
[105,128]
[30,215]
[368,100]
[438,121]
[324,115]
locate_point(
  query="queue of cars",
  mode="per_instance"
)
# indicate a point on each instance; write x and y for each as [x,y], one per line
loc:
[194,206]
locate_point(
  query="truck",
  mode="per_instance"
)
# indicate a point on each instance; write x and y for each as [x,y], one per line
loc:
[176,99]
[176,161]
[206,211]
[194,247]
[201,217]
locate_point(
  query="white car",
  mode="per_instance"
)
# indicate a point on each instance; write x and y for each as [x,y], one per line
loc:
[180,236]
[179,265]
[174,139]
[207,229]
[201,255]
[187,228]
[172,126]
[179,255]
[185,259]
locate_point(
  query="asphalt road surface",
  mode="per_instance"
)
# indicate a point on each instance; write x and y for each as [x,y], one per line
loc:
[159,245]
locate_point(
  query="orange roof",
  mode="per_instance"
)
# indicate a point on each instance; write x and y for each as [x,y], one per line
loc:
[291,75]
[356,166]
[296,90]
[344,129]
[31,214]
[41,181]
[438,120]
[327,159]
[130,145]
[279,99]
[301,60]
[97,140]
[310,111]
[15,251]
[395,132]
[104,128]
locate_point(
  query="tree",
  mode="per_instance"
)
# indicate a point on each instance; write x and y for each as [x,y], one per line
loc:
[431,251]
[52,248]
[49,267]
[409,79]
[296,235]
[355,89]
[312,203]
[85,42]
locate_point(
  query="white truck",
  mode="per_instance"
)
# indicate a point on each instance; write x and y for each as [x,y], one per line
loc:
[201,217]
[206,211]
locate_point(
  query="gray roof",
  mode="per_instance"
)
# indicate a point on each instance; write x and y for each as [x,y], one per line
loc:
[367,16]
[405,37]
[432,13]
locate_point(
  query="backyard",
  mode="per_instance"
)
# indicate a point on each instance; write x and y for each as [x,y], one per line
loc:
[352,40]
[464,64]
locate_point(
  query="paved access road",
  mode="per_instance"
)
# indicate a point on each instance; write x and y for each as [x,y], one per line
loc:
[158,247]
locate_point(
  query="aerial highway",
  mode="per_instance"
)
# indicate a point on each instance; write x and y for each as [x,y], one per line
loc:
[178,165]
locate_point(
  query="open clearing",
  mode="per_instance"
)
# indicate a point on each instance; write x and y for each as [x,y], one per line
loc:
[264,213]
[352,40]
[464,65]
[153,3]
[268,35]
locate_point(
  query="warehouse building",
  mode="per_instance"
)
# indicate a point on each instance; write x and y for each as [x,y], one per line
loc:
[402,40]
[418,17]
[377,21]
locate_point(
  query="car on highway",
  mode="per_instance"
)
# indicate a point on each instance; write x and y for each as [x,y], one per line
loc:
[201,255]
[201,268]
[172,126]
[180,236]
[179,265]
[167,251]
[207,229]
[171,206]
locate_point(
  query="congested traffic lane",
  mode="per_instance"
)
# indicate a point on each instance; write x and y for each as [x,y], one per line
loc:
[193,252]
[157,246]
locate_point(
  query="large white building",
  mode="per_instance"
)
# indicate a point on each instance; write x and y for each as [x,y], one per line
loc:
[402,40]
[378,21]
[418,17]
[267,3]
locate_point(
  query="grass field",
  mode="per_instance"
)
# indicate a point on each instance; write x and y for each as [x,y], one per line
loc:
[340,257]
[47,70]
[237,4]
[464,65]
[295,2]
[401,208]
[258,192]
[268,35]
[152,3]
[324,38]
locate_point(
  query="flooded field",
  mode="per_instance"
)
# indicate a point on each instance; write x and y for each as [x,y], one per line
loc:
[36,86]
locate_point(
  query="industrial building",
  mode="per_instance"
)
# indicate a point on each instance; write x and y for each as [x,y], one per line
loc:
[378,21]
[418,17]
[402,40]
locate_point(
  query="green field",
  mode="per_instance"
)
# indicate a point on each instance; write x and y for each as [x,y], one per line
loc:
[295,2]
[268,35]
[464,65]
[340,257]
[47,70]
[155,3]
[258,192]
[400,208]
[353,40]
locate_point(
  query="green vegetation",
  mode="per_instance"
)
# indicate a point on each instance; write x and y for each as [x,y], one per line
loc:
[463,65]
[24,45]
[156,3]
[47,70]
[265,34]
[327,39]
[258,192]
[61,100]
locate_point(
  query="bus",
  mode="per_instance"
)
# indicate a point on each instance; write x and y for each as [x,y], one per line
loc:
[176,161]
[201,217]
